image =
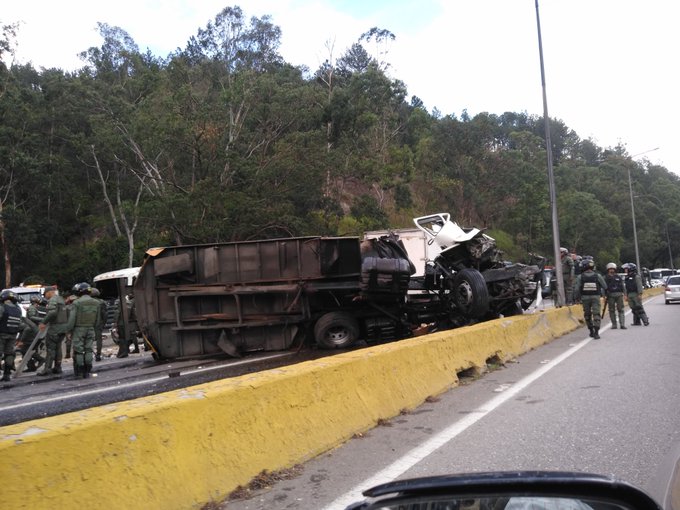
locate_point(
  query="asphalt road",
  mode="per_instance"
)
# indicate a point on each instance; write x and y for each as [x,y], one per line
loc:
[606,406]
[29,396]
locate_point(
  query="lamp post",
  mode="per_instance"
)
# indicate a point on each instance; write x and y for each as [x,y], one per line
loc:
[632,208]
[561,300]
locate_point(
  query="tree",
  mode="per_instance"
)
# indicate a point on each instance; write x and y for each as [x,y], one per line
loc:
[587,227]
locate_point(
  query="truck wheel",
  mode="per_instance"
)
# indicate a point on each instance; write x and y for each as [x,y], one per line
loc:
[470,293]
[336,330]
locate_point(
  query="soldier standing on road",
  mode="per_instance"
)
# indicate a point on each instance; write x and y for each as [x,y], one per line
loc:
[10,323]
[634,289]
[616,289]
[56,319]
[81,323]
[99,327]
[567,275]
[69,340]
[589,287]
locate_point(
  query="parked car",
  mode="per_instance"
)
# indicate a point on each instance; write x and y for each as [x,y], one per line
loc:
[672,289]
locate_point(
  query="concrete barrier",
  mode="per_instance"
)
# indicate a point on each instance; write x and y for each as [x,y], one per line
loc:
[184,448]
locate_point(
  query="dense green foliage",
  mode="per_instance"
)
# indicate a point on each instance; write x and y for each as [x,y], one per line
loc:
[223,140]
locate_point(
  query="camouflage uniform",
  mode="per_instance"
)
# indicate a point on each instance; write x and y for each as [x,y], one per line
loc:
[634,288]
[616,289]
[125,337]
[69,309]
[589,287]
[10,324]
[82,321]
[99,326]
[56,318]
[568,273]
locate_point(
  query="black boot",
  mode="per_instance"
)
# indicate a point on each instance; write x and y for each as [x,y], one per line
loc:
[592,332]
[86,371]
[57,368]
[77,370]
[6,372]
[596,333]
[31,366]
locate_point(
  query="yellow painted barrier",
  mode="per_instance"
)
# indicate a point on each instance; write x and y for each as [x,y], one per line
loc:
[184,448]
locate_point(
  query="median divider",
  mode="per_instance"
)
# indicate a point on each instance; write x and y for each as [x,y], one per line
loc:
[184,448]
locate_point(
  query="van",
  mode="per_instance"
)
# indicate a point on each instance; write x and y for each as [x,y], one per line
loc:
[112,285]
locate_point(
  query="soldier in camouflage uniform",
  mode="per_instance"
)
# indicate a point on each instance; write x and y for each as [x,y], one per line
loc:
[10,323]
[82,321]
[568,275]
[616,289]
[56,318]
[68,339]
[589,287]
[634,289]
[99,327]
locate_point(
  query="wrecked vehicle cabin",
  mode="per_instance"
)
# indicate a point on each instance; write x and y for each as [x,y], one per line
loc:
[198,300]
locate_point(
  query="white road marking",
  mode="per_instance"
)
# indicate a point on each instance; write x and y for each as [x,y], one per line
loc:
[420,452]
[118,387]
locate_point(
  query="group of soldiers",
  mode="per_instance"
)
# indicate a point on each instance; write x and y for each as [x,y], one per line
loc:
[77,321]
[589,287]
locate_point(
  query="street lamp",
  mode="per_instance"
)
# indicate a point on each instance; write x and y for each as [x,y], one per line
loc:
[632,208]
[561,300]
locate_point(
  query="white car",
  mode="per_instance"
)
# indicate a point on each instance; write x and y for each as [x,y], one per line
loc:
[672,289]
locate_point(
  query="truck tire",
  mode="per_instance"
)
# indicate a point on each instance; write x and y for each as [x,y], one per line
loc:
[336,330]
[470,293]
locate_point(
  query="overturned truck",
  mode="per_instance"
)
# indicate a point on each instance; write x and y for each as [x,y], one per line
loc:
[198,300]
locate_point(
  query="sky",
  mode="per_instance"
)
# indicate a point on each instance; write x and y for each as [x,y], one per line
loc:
[611,65]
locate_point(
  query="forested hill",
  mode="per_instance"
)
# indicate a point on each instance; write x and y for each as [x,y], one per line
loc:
[223,140]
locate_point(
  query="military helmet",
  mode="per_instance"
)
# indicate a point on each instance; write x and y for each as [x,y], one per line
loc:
[630,267]
[588,264]
[563,250]
[94,292]
[611,265]
[81,288]
[8,295]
